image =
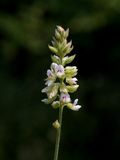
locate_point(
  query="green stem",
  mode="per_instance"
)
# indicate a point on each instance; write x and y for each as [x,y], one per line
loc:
[58,134]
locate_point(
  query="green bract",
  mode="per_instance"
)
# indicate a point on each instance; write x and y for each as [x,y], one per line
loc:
[61,79]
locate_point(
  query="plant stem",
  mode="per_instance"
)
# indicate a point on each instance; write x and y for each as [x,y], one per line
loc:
[58,134]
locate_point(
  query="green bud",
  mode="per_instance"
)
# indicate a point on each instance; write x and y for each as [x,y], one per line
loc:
[56,104]
[60,29]
[57,35]
[71,71]
[66,33]
[53,49]
[67,60]
[72,88]
[55,59]
[56,124]
[68,48]
[63,44]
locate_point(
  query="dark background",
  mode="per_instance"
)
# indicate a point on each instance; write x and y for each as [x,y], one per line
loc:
[26,28]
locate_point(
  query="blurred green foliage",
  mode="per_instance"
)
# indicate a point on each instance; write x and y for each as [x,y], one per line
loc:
[26,28]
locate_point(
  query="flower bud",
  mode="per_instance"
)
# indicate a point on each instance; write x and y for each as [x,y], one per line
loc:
[71,71]
[56,104]
[56,124]
[68,48]
[55,59]
[66,33]
[67,60]
[72,88]
[57,35]
[60,29]
[53,49]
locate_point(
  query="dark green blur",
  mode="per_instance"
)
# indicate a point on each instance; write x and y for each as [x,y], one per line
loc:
[26,29]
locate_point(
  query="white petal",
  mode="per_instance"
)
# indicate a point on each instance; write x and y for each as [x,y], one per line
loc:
[71,81]
[54,66]
[74,80]
[75,102]
[59,71]
[76,108]
[49,73]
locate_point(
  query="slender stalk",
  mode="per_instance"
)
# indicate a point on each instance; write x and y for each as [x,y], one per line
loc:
[58,134]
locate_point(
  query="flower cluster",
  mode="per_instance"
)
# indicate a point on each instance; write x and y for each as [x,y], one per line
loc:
[61,79]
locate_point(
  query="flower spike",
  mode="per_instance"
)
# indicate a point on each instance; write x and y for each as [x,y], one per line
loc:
[58,93]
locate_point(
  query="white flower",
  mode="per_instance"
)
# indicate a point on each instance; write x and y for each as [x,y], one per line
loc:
[51,78]
[71,81]
[53,67]
[58,70]
[75,106]
[65,98]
